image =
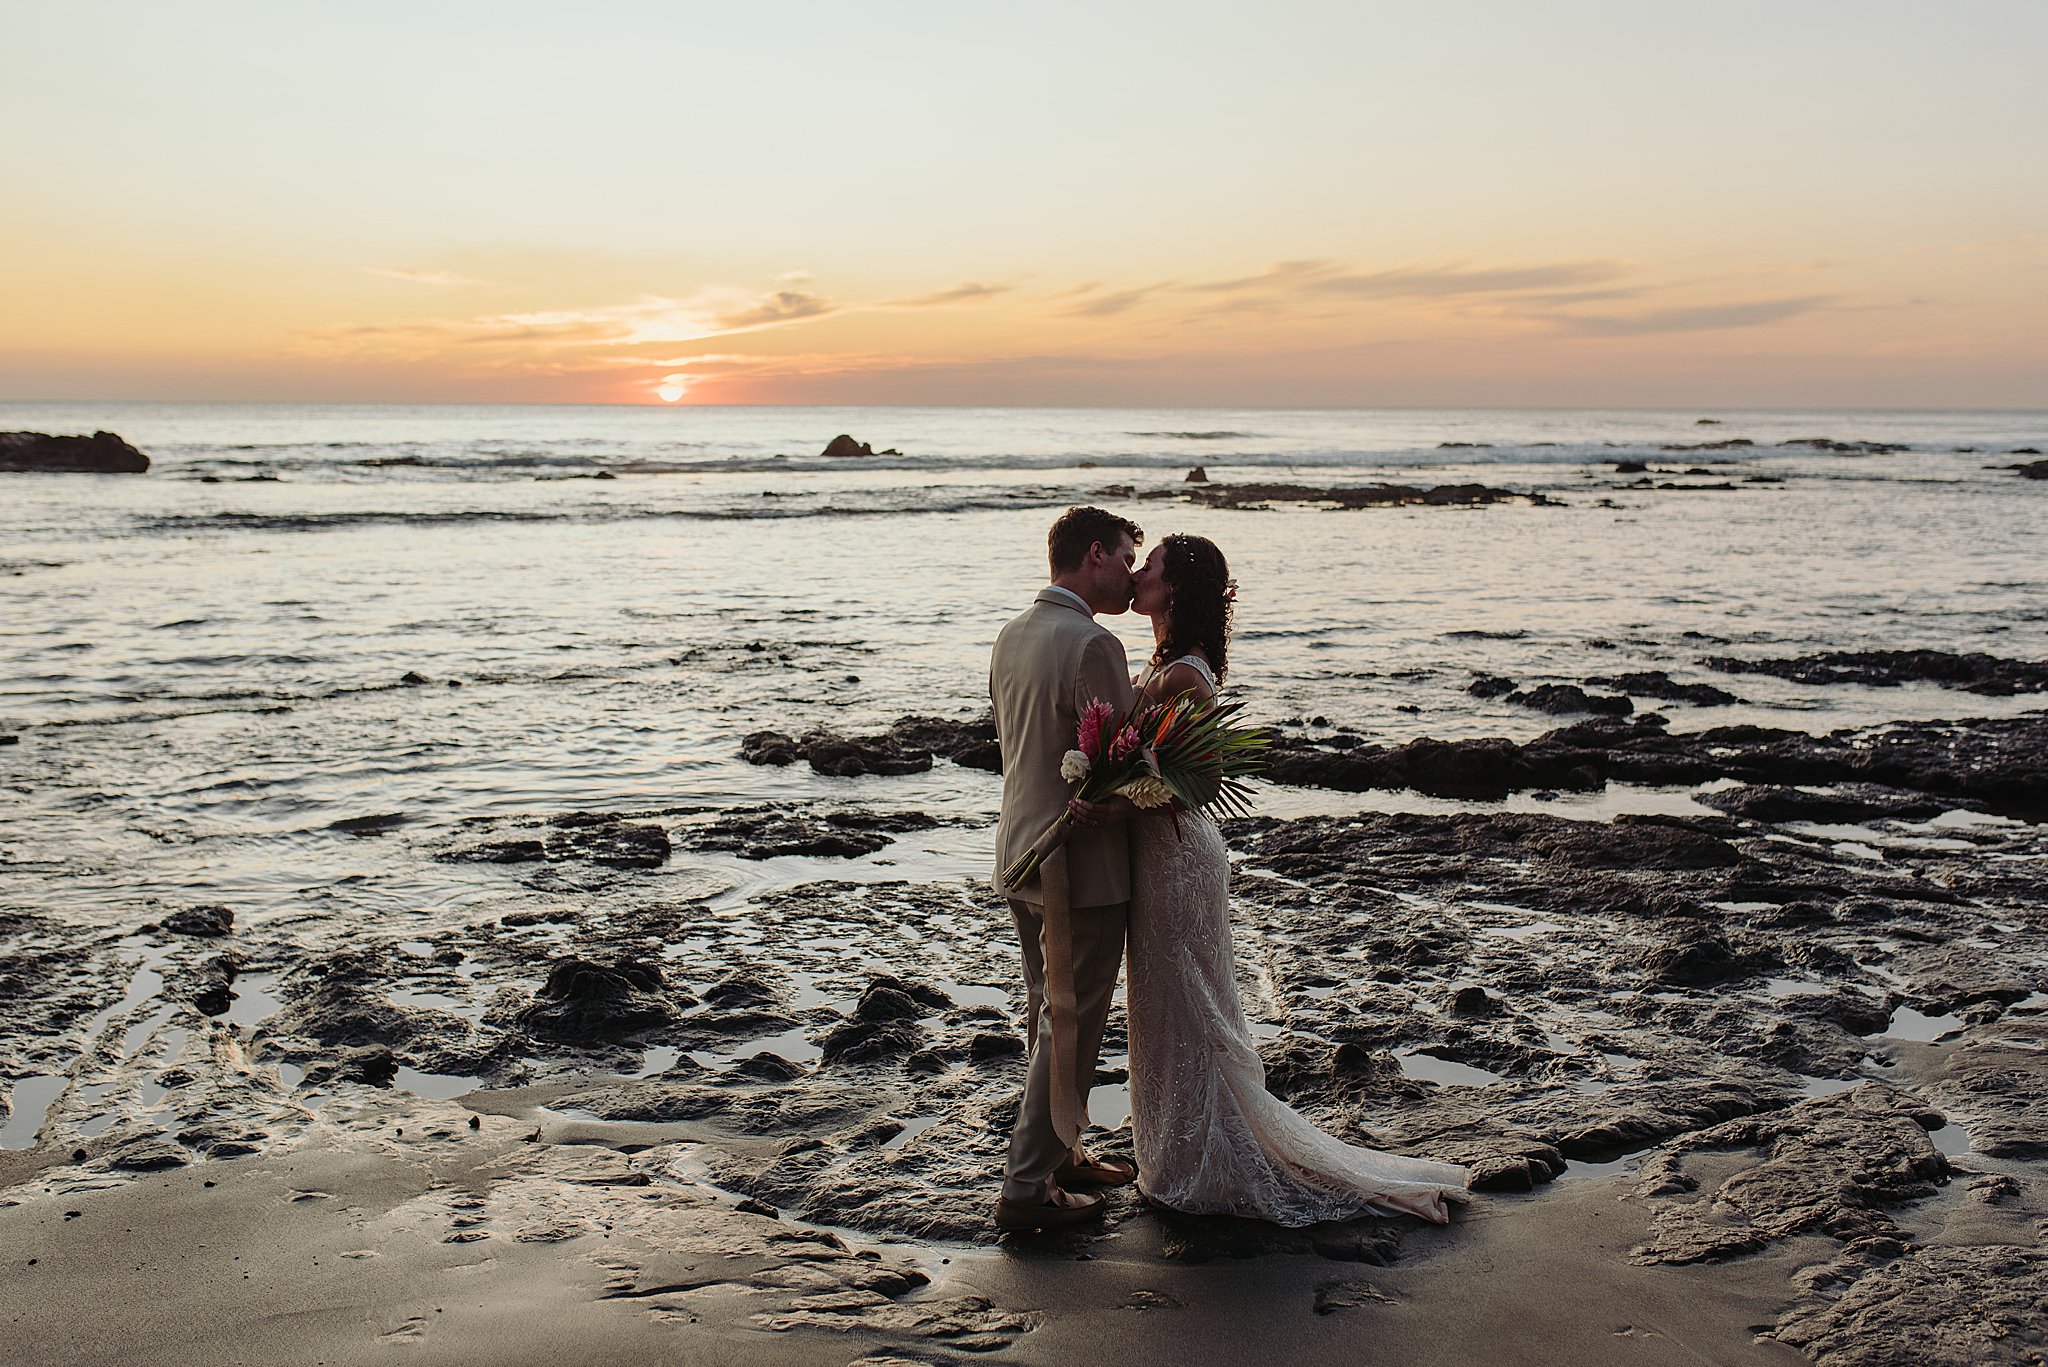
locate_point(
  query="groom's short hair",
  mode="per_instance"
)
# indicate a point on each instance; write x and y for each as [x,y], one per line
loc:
[1066,545]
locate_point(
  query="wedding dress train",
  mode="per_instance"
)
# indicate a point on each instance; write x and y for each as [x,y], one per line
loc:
[1210,1138]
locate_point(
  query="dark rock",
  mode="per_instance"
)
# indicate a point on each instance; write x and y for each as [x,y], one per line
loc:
[2001,763]
[851,756]
[845,447]
[886,1004]
[767,1067]
[863,1041]
[2033,469]
[369,825]
[604,839]
[770,747]
[1847,448]
[497,852]
[1568,698]
[209,988]
[971,744]
[146,1155]
[412,678]
[1473,1001]
[841,756]
[600,838]
[585,1000]
[374,1065]
[202,921]
[1831,1164]
[1196,476]
[102,453]
[1967,1305]
[1694,960]
[1490,686]
[1731,444]
[753,1207]
[762,833]
[653,1101]
[1631,467]
[1856,803]
[740,988]
[1655,683]
[1354,496]
[1889,668]
[989,1045]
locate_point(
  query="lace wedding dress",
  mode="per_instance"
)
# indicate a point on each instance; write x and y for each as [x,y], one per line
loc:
[1210,1138]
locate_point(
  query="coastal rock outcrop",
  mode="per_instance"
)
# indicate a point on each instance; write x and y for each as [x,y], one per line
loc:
[905,748]
[2000,763]
[1974,673]
[844,447]
[1354,495]
[102,453]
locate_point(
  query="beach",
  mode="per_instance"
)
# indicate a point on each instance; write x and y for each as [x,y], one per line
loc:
[499,884]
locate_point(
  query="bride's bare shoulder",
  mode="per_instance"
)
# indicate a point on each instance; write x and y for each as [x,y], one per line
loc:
[1178,678]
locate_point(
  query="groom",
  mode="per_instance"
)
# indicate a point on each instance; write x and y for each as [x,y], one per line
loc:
[1049,664]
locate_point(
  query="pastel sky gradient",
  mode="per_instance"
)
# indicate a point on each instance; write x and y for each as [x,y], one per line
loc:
[1483,202]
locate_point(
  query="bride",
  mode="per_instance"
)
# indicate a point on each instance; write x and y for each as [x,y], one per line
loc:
[1210,1139]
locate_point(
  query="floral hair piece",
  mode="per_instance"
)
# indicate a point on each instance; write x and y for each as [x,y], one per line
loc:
[1230,590]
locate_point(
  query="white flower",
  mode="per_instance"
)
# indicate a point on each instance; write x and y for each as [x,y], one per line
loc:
[1074,766]
[1147,791]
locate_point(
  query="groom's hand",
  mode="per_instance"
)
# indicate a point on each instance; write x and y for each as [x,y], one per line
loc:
[1089,815]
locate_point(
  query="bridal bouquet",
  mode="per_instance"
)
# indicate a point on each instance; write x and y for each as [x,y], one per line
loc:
[1154,754]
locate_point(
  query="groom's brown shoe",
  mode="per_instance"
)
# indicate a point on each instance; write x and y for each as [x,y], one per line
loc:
[1095,1172]
[1074,1209]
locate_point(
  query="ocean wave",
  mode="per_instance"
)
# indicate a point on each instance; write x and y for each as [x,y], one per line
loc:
[189,523]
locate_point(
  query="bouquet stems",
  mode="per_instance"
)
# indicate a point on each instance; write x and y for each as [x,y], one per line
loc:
[1026,865]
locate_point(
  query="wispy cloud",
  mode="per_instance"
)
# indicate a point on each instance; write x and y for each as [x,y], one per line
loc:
[783,306]
[422,277]
[1120,301]
[1695,318]
[1412,282]
[650,319]
[967,292]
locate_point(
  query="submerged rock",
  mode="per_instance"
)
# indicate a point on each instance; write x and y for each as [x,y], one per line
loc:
[1354,495]
[766,833]
[1566,698]
[602,838]
[837,755]
[1655,683]
[101,453]
[1975,673]
[207,921]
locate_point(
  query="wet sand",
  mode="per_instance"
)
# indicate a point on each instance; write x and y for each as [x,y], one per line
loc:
[338,1254]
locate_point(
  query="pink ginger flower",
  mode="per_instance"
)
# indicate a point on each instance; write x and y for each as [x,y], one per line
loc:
[1094,718]
[1126,741]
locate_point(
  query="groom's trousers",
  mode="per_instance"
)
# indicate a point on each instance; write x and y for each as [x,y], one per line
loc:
[1035,1149]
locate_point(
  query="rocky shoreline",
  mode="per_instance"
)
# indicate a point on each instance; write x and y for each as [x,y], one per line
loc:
[1803,1027]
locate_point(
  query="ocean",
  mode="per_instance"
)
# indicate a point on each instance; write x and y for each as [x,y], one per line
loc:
[204,662]
[296,661]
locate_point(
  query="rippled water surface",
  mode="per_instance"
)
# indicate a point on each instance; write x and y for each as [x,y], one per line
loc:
[204,664]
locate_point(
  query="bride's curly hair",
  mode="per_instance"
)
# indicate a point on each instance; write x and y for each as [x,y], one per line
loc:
[1199,593]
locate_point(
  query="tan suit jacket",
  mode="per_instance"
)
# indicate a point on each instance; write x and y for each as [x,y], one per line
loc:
[1049,664]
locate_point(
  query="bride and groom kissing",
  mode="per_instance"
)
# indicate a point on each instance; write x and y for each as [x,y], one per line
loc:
[1208,1137]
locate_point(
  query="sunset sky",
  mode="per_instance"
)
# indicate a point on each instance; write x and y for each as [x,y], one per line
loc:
[1797,203]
